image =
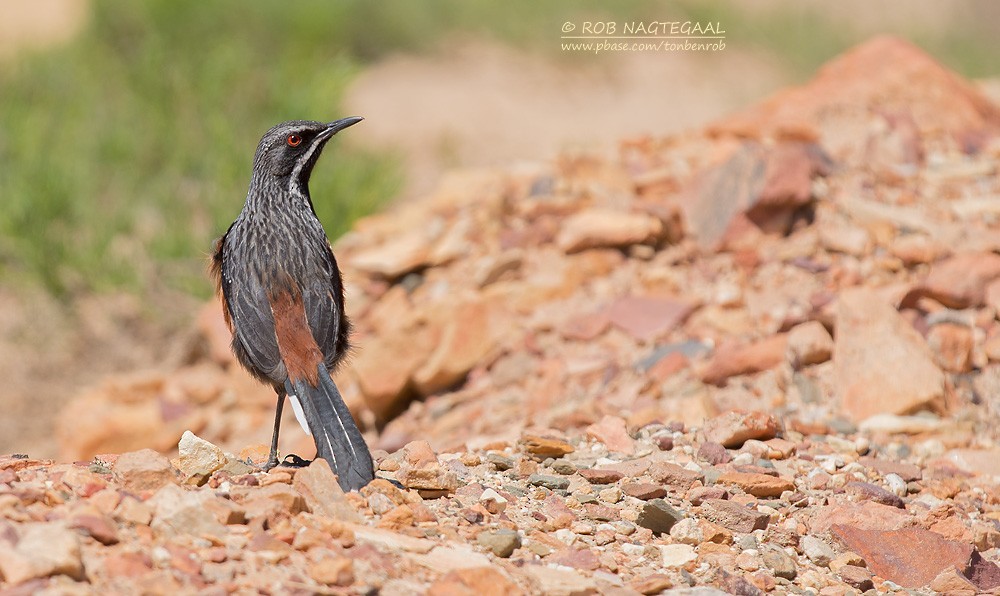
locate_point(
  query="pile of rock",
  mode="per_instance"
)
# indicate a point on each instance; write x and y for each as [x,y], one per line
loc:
[764,354]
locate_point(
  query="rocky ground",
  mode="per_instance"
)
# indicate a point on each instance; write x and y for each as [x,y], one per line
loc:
[760,357]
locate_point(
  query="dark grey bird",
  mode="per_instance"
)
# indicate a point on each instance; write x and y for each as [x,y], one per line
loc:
[283,296]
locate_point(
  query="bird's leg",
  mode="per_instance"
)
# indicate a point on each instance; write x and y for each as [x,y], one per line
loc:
[272,457]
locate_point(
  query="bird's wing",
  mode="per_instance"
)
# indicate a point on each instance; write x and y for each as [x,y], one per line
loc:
[252,321]
[322,298]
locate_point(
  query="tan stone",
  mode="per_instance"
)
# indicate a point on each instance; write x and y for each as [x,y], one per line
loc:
[600,228]
[611,431]
[471,332]
[333,571]
[318,486]
[386,363]
[809,343]
[144,470]
[881,364]
[732,429]
[732,359]
[758,485]
[544,445]
[952,346]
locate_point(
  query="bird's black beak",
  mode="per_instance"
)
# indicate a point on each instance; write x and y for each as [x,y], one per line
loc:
[339,125]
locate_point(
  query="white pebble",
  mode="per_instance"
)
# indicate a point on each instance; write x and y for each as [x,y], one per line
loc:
[491,495]
[633,550]
[896,484]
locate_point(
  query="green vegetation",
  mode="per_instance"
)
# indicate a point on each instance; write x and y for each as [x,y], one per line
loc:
[123,154]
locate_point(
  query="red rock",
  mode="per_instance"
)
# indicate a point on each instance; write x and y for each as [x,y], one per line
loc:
[911,557]
[600,512]
[544,445]
[732,359]
[713,453]
[586,327]
[600,476]
[643,490]
[126,564]
[886,75]
[668,366]
[733,516]
[654,583]
[96,525]
[959,281]
[758,187]
[557,512]
[908,472]
[984,574]
[735,584]
[881,364]
[578,558]
[700,494]
[673,476]
[631,468]
[475,581]
[419,454]
[663,442]
[758,485]
[866,515]
[732,429]
[611,431]
[469,334]
[858,578]
[952,346]
[387,363]
[952,582]
[871,492]
[646,317]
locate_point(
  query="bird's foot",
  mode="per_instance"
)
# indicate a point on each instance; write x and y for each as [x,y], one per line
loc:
[270,463]
[293,461]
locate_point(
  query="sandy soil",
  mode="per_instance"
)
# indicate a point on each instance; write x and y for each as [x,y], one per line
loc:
[484,104]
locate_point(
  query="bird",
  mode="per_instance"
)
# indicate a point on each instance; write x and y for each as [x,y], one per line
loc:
[283,297]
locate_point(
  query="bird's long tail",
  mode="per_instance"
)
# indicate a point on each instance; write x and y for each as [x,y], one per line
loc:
[337,437]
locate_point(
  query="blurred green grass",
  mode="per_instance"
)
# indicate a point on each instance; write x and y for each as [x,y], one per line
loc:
[124,153]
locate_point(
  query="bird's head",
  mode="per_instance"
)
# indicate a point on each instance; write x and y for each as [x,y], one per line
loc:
[289,150]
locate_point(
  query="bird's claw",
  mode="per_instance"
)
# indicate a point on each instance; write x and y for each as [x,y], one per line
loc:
[293,461]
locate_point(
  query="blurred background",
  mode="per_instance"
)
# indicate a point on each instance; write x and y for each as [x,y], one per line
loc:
[127,131]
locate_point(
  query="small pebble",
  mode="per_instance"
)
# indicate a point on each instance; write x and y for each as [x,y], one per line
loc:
[896,485]
[549,482]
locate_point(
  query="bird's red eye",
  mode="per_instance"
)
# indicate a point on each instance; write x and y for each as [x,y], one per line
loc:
[294,140]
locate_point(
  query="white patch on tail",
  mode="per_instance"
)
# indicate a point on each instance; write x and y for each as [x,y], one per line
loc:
[299,414]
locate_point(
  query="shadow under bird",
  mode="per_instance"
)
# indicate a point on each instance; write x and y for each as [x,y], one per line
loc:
[283,296]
